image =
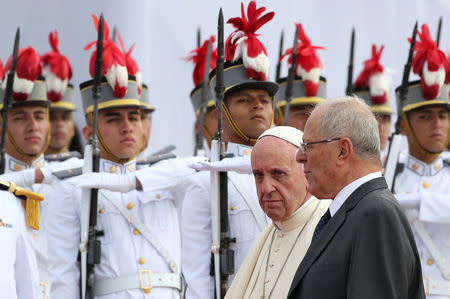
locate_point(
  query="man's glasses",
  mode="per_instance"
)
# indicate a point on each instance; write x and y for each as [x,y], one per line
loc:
[304,145]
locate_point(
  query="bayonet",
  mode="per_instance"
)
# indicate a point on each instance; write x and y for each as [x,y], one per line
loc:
[280,53]
[199,37]
[395,139]
[7,100]
[349,90]
[203,102]
[291,77]
[438,35]
[114,34]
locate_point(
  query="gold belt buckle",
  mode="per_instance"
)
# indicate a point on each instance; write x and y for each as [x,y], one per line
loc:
[146,288]
[45,288]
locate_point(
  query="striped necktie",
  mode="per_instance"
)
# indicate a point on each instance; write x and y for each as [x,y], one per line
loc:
[322,222]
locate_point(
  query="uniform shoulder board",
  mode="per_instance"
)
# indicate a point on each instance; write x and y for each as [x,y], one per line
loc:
[154,159]
[446,162]
[68,173]
[31,199]
[62,156]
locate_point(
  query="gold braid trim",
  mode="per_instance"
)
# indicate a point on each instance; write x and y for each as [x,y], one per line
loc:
[32,201]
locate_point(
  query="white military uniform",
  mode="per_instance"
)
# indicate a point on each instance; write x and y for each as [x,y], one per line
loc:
[18,271]
[124,251]
[196,226]
[423,191]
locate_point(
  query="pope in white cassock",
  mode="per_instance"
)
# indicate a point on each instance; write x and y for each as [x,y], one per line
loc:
[272,261]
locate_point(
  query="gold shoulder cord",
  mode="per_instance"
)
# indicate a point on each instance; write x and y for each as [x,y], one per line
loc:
[31,204]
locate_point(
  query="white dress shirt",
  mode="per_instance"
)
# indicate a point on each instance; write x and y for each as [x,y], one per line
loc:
[196,227]
[124,250]
[345,192]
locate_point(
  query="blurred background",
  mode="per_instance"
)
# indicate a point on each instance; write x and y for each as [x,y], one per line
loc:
[165,32]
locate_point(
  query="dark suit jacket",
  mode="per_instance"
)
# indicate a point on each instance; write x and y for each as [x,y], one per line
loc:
[367,250]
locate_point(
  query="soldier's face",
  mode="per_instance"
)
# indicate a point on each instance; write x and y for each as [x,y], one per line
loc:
[280,182]
[146,118]
[430,126]
[251,110]
[29,127]
[121,130]
[62,130]
[384,127]
[298,115]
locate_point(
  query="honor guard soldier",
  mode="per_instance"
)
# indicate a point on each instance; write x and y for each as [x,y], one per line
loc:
[57,71]
[373,85]
[422,181]
[198,56]
[248,112]
[19,271]
[140,237]
[27,132]
[308,87]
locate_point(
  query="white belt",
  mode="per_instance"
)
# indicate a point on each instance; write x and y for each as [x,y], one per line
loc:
[422,233]
[144,280]
[436,287]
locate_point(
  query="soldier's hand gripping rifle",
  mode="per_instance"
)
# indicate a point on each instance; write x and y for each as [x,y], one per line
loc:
[396,139]
[7,100]
[90,247]
[280,54]
[290,79]
[349,89]
[223,256]
[199,150]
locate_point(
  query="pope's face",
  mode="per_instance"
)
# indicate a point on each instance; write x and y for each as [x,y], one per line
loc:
[28,126]
[280,182]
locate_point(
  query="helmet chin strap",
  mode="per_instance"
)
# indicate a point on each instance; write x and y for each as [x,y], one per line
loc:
[20,151]
[237,130]
[108,152]
[416,142]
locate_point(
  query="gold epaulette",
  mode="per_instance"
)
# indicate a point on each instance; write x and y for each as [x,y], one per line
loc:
[31,203]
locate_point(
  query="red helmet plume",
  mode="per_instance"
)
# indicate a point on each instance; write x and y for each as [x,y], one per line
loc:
[28,69]
[244,43]
[56,69]
[2,71]
[198,56]
[308,64]
[132,66]
[374,78]
[114,63]
[429,63]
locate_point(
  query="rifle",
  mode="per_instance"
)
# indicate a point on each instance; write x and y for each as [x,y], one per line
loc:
[395,138]
[7,100]
[290,79]
[222,255]
[199,37]
[164,150]
[438,35]
[90,247]
[280,53]
[199,150]
[114,34]
[349,89]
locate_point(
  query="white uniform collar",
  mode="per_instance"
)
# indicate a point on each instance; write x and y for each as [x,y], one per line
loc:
[113,167]
[423,169]
[12,164]
[238,150]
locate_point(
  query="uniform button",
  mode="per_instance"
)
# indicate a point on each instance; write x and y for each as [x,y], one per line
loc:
[18,167]
[430,262]
[113,168]
[271,265]
[136,232]
[39,164]
[130,206]
[130,168]
[267,280]
[415,166]
[437,166]
[426,185]
[101,211]
[147,290]
[233,208]
[141,260]
[276,250]
[158,196]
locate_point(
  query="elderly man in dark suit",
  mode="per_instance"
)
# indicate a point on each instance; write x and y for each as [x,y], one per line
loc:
[363,246]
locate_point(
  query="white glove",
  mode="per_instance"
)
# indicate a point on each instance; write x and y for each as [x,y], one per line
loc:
[238,164]
[110,181]
[24,178]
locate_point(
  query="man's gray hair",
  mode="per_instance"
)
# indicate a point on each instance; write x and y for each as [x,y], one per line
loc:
[352,118]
